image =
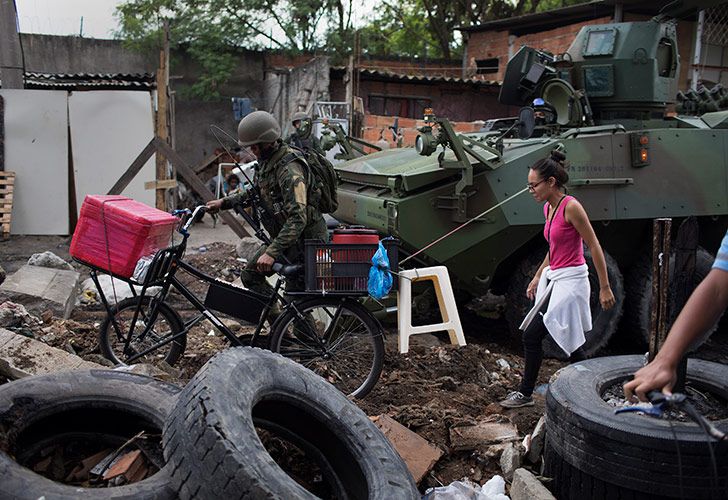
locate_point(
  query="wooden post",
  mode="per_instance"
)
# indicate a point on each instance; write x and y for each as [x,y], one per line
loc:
[686,247]
[660,280]
[162,116]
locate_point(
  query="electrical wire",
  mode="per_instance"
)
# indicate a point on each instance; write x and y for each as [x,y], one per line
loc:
[679,459]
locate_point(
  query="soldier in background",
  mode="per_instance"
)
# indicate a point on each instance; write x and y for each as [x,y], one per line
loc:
[302,136]
[288,206]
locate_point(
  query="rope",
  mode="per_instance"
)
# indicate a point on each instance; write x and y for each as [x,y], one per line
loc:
[464,224]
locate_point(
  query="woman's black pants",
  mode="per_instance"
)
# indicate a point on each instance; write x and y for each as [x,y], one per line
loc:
[533,337]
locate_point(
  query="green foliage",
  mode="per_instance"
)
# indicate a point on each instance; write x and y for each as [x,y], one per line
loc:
[212,30]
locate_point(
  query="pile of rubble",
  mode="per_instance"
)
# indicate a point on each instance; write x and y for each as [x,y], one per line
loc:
[437,404]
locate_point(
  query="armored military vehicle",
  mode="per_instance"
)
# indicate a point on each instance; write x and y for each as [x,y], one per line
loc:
[604,103]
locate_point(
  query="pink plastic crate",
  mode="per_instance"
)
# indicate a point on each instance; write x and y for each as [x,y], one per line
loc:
[113,232]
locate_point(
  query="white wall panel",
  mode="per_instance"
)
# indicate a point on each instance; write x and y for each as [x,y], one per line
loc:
[108,131]
[36,148]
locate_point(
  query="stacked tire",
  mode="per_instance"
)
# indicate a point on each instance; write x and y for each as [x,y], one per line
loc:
[210,432]
[591,452]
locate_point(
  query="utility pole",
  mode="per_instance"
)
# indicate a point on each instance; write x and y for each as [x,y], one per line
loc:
[11,57]
[162,118]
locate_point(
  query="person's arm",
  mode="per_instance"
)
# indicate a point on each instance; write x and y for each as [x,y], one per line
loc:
[701,311]
[533,285]
[577,217]
[293,186]
[226,203]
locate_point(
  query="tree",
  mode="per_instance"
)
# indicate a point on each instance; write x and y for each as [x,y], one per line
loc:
[429,27]
[212,29]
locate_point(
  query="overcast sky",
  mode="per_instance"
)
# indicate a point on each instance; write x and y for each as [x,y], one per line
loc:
[63,17]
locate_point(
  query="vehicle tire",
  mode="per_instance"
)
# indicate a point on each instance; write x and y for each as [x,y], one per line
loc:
[348,347]
[639,294]
[212,443]
[166,323]
[604,323]
[593,453]
[103,407]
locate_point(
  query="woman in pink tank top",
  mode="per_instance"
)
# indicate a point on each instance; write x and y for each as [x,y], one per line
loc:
[566,229]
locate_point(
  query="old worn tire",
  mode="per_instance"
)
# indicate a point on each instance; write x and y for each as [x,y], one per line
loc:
[89,401]
[628,455]
[639,295]
[604,323]
[212,444]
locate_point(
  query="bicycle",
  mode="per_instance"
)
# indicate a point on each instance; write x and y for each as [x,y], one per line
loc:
[330,333]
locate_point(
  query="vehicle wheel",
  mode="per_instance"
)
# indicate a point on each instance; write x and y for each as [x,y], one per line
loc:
[166,324]
[215,450]
[604,323]
[94,409]
[338,340]
[593,453]
[639,294]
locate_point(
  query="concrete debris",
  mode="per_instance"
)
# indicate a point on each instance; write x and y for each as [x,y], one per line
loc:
[21,357]
[41,288]
[419,455]
[503,364]
[511,459]
[247,247]
[113,289]
[483,433]
[526,486]
[15,316]
[49,259]
[538,437]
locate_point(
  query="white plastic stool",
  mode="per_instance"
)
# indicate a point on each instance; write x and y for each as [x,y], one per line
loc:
[445,298]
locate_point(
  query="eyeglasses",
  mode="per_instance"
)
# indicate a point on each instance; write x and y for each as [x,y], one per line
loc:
[532,187]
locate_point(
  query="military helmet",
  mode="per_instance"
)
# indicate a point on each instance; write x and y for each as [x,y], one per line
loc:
[257,127]
[299,115]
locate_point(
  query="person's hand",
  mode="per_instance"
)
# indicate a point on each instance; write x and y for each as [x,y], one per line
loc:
[657,375]
[606,297]
[214,206]
[265,263]
[532,287]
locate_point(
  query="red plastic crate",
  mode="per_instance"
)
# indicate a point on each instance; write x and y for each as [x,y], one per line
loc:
[113,232]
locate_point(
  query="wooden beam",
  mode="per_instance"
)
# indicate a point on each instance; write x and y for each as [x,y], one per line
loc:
[162,114]
[206,162]
[164,184]
[197,185]
[134,168]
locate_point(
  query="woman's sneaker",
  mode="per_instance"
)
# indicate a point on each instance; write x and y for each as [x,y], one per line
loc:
[516,400]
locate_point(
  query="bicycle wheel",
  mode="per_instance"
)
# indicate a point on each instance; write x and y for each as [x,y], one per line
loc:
[166,324]
[336,338]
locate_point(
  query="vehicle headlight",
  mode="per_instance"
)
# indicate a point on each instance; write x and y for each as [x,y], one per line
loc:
[425,144]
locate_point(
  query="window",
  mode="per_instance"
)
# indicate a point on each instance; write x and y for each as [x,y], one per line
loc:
[600,42]
[406,107]
[486,66]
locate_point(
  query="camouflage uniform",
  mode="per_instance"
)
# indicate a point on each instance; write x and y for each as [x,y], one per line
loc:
[290,214]
[306,144]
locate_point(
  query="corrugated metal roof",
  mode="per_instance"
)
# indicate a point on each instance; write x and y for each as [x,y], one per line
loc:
[387,74]
[90,81]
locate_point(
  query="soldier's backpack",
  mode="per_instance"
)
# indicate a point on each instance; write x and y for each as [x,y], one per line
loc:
[324,176]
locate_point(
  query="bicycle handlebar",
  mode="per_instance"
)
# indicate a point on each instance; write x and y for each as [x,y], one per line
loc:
[184,230]
[287,270]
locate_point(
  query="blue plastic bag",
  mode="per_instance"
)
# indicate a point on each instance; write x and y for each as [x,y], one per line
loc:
[380,278]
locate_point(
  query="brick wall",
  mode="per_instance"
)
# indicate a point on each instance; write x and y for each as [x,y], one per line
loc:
[376,127]
[494,44]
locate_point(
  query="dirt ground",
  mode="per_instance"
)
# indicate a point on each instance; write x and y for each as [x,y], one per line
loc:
[434,387]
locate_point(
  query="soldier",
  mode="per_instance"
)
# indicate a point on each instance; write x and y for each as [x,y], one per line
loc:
[302,136]
[288,207]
